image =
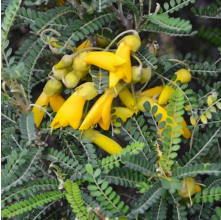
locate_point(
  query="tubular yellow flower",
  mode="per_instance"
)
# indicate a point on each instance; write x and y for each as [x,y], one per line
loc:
[99,113]
[122,112]
[153,92]
[104,142]
[71,111]
[56,102]
[42,101]
[128,100]
[184,76]
[104,60]
[122,71]
[142,99]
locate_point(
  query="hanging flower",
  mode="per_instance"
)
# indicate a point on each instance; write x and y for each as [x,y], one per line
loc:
[128,100]
[101,110]
[104,142]
[50,94]
[126,45]
[72,110]
[153,92]
[121,112]
[160,110]
[184,76]
[102,59]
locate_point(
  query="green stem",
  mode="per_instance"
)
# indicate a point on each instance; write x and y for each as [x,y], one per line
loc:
[179,61]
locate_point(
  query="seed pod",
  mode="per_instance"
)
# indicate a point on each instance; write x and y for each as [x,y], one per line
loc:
[60,73]
[71,80]
[53,87]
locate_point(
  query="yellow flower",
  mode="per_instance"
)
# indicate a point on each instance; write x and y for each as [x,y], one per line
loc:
[56,102]
[122,112]
[71,111]
[128,100]
[100,111]
[42,101]
[85,44]
[184,76]
[104,142]
[142,99]
[153,92]
[123,71]
[125,46]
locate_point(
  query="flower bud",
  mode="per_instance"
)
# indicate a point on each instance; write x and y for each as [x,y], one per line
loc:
[79,62]
[192,121]
[188,187]
[209,100]
[133,41]
[82,74]
[203,119]
[65,61]
[87,91]
[146,75]
[183,75]
[53,87]
[218,105]
[58,74]
[136,74]
[71,80]
[101,42]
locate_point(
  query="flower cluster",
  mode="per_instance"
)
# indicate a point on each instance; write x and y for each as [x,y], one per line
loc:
[70,71]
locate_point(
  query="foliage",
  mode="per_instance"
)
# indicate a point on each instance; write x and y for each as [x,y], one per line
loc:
[62,173]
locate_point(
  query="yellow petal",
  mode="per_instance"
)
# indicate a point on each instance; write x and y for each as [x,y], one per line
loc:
[122,112]
[104,142]
[186,132]
[70,112]
[153,92]
[56,102]
[128,100]
[183,75]
[104,60]
[104,122]
[38,112]
[85,44]
[114,78]
[165,95]
[94,114]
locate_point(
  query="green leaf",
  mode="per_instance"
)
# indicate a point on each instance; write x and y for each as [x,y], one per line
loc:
[97,173]
[89,168]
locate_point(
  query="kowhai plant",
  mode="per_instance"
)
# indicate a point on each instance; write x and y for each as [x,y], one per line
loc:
[121,127]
